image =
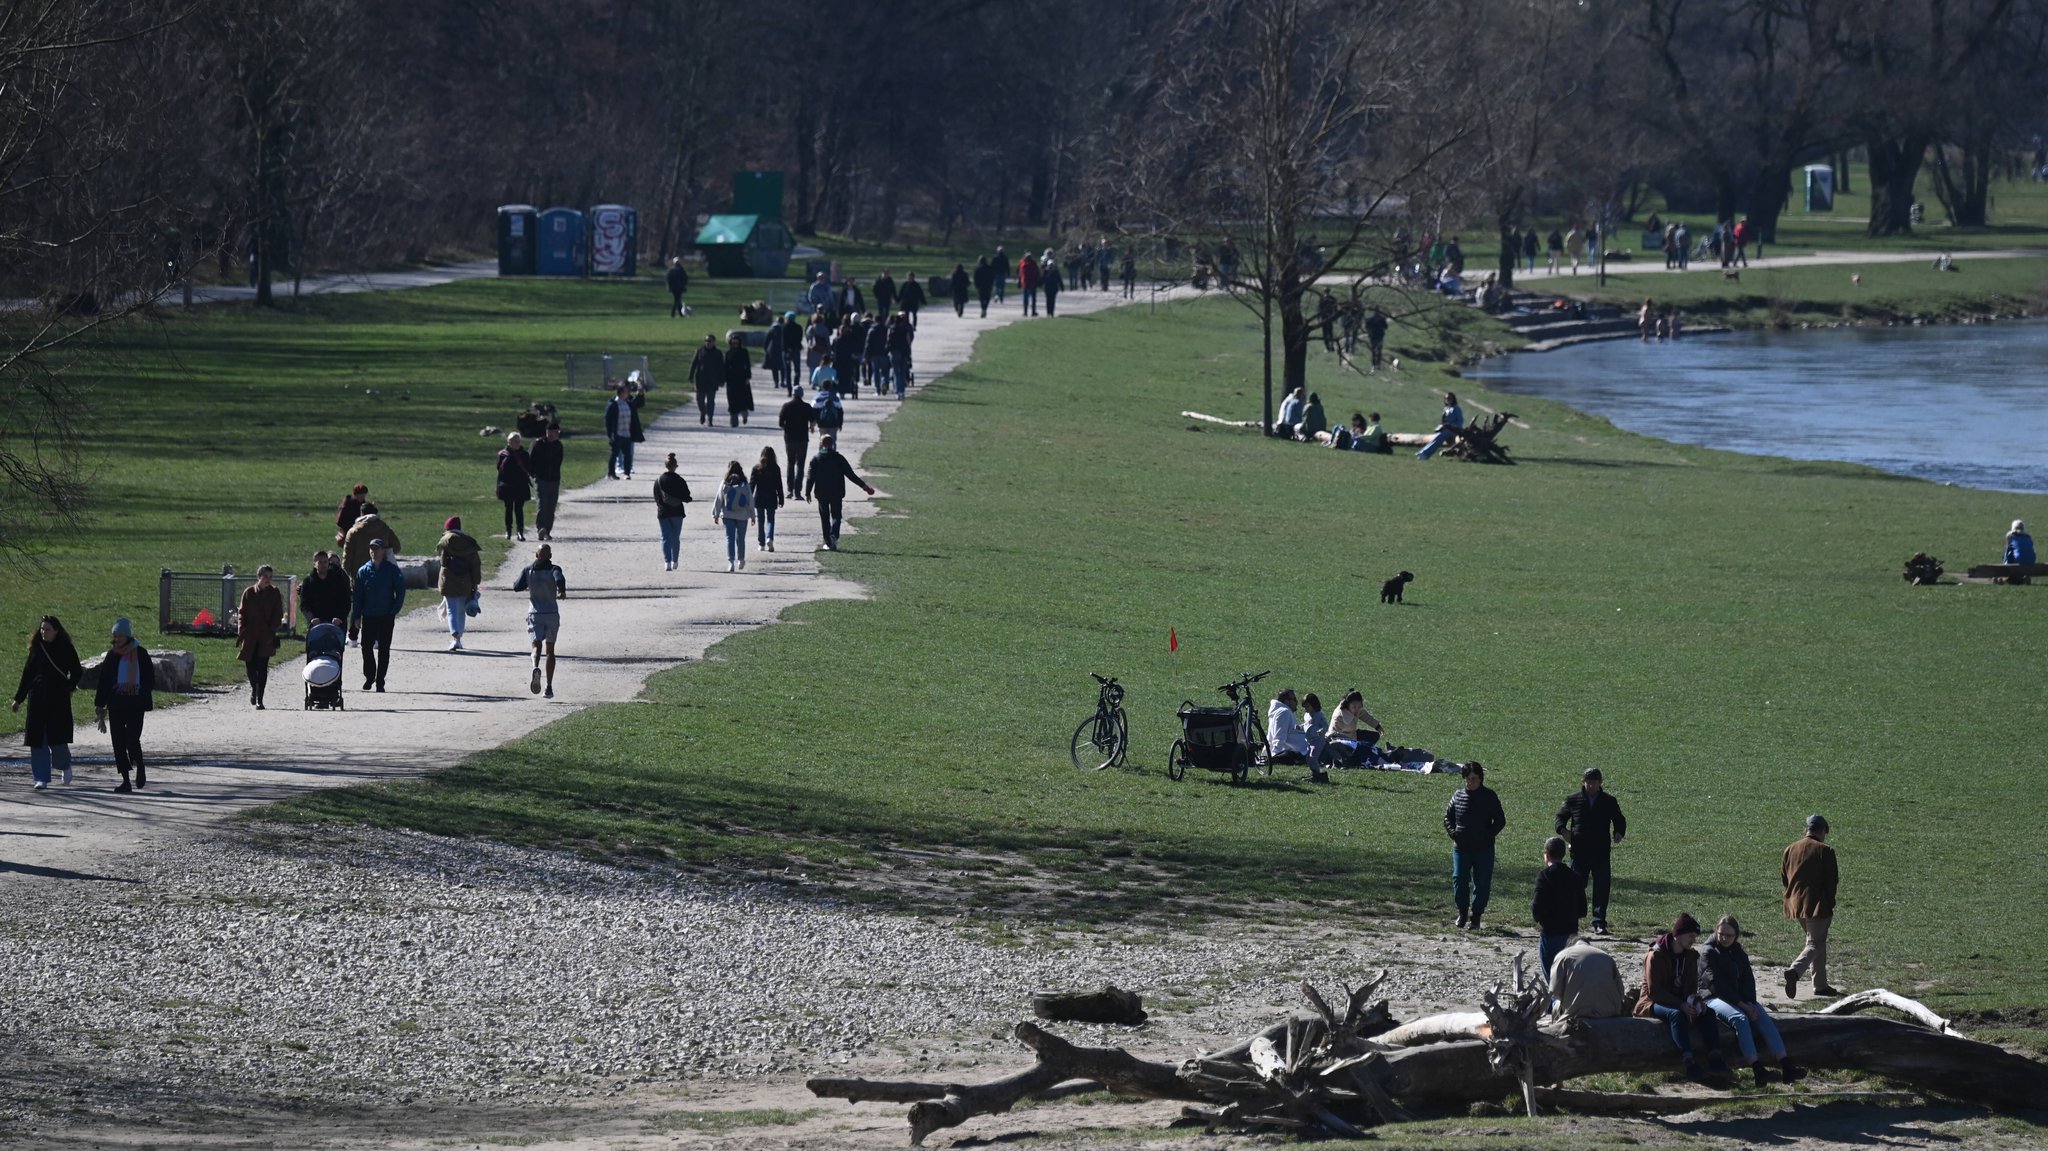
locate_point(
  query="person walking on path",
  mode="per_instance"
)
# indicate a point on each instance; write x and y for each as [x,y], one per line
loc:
[766,480]
[355,552]
[826,482]
[1473,819]
[545,587]
[1529,243]
[515,483]
[1555,245]
[1729,984]
[1130,273]
[1811,878]
[1591,821]
[1001,264]
[127,693]
[48,677]
[351,507]
[960,285]
[1052,283]
[678,283]
[324,594]
[1028,274]
[257,620]
[379,595]
[735,509]
[707,373]
[901,334]
[462,571]
[1671,993]
[885,293]
[912,301]
[797,418]
[546,461]
[739,379]
[1575,246]
[984,282]
[622,428]
[1558,904]
[671,493]
[773,353]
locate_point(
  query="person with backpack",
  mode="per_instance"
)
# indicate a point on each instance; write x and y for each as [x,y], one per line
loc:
[735,509]
[671,492]
[461,571]
[829,473]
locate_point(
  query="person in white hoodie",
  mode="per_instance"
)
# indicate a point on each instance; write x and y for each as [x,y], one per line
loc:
[1286,742]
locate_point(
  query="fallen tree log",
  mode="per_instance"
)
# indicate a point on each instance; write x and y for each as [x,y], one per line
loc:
[1638,1103]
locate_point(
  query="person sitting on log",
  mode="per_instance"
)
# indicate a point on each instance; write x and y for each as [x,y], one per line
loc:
[2019,546]
[1586,984]
[1671,992]
[1447,428]
[1729,985]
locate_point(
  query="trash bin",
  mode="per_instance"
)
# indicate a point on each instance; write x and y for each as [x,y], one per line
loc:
[561,243]
[614,234]
[517,230]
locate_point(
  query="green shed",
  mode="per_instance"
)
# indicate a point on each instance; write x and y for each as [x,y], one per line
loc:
[753,246]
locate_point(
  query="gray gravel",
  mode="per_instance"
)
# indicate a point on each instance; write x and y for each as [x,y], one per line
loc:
[346,966]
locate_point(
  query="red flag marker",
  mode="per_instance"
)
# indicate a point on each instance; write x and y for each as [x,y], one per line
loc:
[1172,640]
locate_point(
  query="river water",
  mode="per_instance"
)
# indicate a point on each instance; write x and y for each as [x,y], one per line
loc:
[1965,405]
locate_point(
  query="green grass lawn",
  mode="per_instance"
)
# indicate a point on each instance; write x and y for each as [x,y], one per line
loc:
[1726,636]
[1792,296]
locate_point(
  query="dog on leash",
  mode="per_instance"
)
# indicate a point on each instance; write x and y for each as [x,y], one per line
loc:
[1390,591]
[1731,273]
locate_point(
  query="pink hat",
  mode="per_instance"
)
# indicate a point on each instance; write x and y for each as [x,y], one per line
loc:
[454,524]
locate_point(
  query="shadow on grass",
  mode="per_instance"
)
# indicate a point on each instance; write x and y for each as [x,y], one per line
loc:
[1832,1123]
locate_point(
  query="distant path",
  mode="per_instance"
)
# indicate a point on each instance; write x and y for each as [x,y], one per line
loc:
[341,283]
[625,619]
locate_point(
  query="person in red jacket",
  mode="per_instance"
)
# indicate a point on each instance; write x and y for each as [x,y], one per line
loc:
[1027,280]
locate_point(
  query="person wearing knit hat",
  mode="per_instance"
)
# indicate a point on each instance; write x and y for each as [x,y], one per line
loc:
[1811,878]
[126,694]
[462,571]
[2019,546]
[1671,993]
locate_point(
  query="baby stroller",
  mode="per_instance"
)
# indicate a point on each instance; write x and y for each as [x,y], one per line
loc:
[325,645]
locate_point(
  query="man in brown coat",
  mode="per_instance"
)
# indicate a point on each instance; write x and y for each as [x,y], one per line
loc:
[1810,880]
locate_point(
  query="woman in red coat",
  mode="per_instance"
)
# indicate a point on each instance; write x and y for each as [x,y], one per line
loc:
[1027,279]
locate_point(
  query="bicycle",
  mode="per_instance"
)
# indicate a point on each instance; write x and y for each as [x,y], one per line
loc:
[1252,723]
[1103,739]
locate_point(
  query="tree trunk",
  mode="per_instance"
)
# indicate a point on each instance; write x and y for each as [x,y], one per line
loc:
[1293,329]
[1965,190]
[1766,201]
[805,132]
[1894,167]
[1510,251]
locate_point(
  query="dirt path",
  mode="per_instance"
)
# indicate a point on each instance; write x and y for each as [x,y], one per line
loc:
[626,619]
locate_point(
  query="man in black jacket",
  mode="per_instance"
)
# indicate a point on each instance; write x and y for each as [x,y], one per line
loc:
[707,372]
[1473,819]
[1591,821]
[545,461]
[885,293]
[797,418]
[678,283]
[1559,903]
[324,595]
[829,472]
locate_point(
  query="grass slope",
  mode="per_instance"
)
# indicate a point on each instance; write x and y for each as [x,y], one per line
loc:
[1726,636]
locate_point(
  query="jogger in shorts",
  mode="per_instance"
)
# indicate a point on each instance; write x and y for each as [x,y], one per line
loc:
[545,587]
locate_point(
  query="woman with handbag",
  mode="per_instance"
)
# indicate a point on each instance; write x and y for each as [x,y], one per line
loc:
[515,483]
[671,492]
[47,681]
[256,622]
[461,573]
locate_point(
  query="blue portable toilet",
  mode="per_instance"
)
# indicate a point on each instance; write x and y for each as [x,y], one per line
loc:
[561,243]
[614,236]
[518,231]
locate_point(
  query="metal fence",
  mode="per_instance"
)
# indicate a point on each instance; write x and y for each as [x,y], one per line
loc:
[206,603]
[603,371]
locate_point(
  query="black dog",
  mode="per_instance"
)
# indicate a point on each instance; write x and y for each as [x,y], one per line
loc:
[1390,591]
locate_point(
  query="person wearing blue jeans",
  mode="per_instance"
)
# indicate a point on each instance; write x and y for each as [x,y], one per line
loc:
[1473,819]
[735,508]
[48,678]
[671,492]
[825,481]
[1446,429]
[1671,992]
[622,429]
[1558,905]
[1729,984]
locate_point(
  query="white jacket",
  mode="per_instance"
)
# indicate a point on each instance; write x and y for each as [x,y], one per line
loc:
[1283,731]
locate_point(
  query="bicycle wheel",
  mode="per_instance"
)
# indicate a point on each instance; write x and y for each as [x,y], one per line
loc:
[1123,739]
[1243,767]
[1176,763]
[1094,743]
